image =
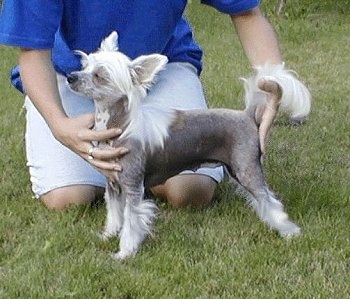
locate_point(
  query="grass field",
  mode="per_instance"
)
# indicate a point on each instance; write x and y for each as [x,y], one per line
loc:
[222,251]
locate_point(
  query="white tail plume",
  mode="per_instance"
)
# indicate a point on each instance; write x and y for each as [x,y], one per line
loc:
[296,98]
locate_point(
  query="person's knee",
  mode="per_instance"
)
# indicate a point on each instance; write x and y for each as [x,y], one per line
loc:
[187,190]
[61,198]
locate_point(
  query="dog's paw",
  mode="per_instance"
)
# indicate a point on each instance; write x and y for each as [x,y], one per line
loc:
[105,235]
[291,231]
[122,255]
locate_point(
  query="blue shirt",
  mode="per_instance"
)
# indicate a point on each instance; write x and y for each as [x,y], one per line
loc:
[144,27]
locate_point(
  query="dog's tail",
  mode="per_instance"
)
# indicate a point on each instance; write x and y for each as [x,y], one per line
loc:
[275,88]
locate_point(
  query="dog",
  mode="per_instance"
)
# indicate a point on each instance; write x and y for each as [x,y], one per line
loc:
[165,141]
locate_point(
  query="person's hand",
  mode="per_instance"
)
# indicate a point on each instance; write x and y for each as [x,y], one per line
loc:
[77,134]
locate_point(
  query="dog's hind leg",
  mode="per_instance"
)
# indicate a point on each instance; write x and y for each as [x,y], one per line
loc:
[138,219]
[115,204]
[266,205]
[270,210]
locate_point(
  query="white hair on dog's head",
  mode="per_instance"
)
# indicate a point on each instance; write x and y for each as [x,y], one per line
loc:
[149,122]
[111,75]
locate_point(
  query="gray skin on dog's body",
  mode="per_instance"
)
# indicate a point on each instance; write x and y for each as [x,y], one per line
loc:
[204,144]
[236,141]
[163,141]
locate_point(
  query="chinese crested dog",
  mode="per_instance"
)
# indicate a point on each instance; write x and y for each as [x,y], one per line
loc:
[164,141]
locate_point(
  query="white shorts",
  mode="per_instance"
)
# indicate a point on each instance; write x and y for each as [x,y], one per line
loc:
[52,165]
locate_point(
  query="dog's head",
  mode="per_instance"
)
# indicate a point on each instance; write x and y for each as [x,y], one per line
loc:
[110,75]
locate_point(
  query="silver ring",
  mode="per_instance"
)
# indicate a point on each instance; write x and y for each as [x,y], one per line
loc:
[90,153]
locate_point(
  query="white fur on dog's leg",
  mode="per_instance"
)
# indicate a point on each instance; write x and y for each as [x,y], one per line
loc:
[115,208]
[285,227]
[271,212]
[121,255]
[292,231]
[138,220]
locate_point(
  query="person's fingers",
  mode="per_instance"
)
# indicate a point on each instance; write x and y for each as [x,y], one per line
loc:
[105,165]
[77,135]
[105,134]
[88,134]
[107,153]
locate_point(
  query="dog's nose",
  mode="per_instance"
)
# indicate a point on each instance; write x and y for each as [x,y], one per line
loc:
[71,78]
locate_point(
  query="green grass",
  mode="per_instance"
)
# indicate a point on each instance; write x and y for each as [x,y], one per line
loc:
[223,251]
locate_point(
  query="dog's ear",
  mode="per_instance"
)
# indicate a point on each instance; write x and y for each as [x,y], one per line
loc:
[83,58]
[145,68]
[110,43]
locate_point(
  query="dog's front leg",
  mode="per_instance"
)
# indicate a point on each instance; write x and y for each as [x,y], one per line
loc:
[115,204]
[139,214]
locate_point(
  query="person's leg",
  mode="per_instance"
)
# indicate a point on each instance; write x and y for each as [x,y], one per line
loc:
[59,177]
[183,190]
[63,197]
[179,87]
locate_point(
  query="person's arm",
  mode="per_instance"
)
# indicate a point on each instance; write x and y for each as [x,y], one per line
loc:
[257,37]
[39,79]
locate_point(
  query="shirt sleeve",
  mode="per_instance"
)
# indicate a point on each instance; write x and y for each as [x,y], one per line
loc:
[232,6]
[30,23]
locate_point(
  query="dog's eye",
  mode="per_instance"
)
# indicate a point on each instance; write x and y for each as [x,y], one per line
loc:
[98,78]
[100,75]
[97,75]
